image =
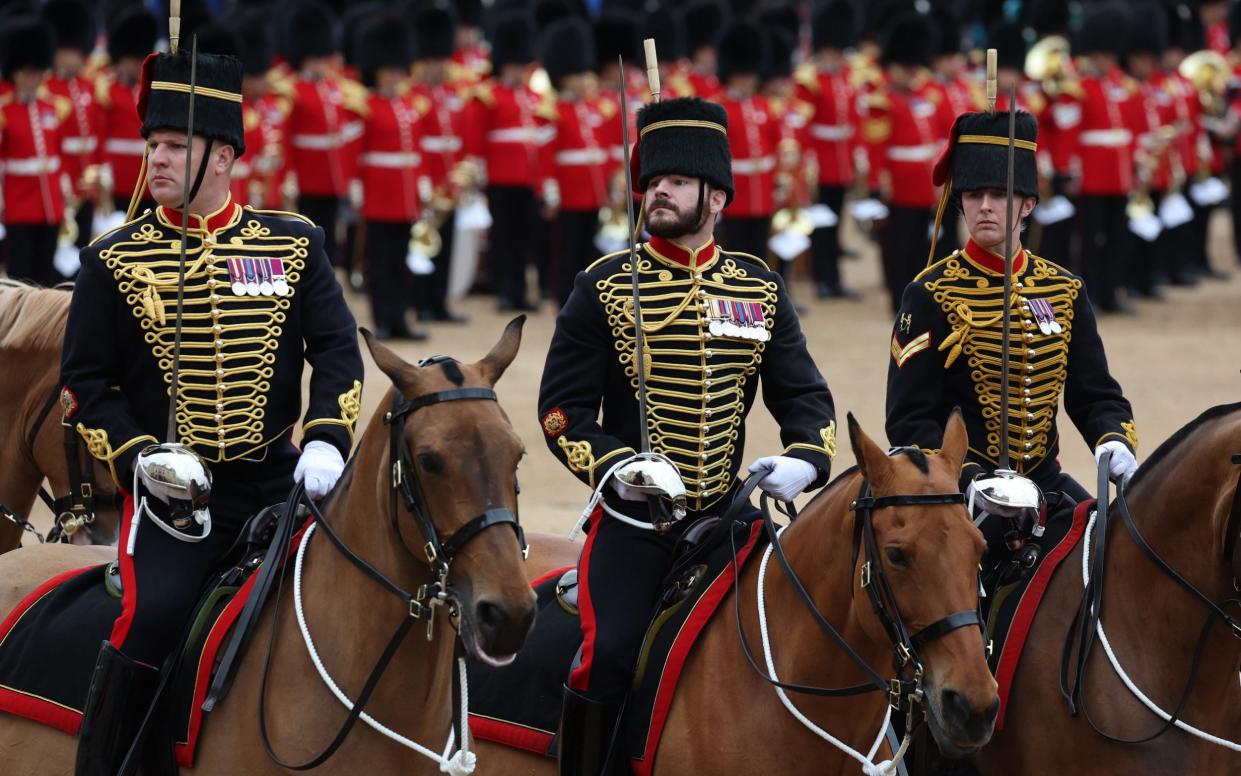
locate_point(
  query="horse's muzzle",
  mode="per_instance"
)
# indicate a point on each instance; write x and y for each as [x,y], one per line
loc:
[960,729]
[497,629]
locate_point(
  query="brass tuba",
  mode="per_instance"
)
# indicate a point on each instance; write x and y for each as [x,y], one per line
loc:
[1048,64]
[1208,72]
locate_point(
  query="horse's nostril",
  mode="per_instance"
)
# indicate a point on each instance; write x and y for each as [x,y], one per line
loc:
[955,706]
[992,711]
[490,617]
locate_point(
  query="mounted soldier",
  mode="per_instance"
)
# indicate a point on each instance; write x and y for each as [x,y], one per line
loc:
[712,325]
[218,309]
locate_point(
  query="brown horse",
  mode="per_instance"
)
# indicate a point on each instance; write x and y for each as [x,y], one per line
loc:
[32,328]
[1181,501]
[464,454]
[726,719]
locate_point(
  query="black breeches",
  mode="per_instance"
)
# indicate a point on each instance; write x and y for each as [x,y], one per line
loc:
[323,211]
[576,230]
[30,250]
[513,214]
[825,241]
[904,243]
[431,291]
[1105,247]
[387,243]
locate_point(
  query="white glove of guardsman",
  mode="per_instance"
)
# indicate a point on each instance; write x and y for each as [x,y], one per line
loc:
[1122,466]
[320,466]
[788,476]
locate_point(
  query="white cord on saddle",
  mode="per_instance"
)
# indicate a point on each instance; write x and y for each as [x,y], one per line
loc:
[597,497]
[869,767]
[1124,677]
[461,763]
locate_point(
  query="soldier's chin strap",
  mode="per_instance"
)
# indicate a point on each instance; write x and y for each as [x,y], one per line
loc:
[702,198]
[202,170]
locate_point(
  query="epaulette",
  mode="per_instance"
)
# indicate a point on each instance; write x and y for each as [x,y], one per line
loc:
[422,105]
[103,90]
[1053,265]
[878,101]
[608,109]
[482,91]
[546,109]
[681,84]
[281,84]
[1073,88]
[876,130]
[2,119]
[354,96]
[937,266]
[115,229]
[747,256]
[935,96]
[1037,102]
[807,75]
[804,107]
[250,117]
[280,214]
[95,65]
[1131,85]
[605,257]
[63,106]
[284,105]
[777,105]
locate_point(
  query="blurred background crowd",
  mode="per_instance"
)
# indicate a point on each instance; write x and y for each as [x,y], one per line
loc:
[451,148]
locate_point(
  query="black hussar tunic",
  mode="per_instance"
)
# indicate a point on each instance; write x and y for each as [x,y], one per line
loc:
[946,352]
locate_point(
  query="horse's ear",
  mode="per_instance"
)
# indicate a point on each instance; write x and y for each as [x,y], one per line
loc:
[494,363]
[956,439]
[396,368]
[871,459]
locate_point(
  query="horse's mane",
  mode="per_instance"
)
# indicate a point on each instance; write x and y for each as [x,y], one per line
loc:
[32,317]
[1171,443]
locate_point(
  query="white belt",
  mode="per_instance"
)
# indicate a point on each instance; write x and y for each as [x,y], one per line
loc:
[918,153]
[755,165]
[79,145]
[125,146]
[32,165]
[581,156]
[831,131]
[392,159]
[439,144]
[1109,138]
[513,135]
[316,142]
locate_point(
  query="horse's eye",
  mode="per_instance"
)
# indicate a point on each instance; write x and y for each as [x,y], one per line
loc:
[896,557]
[431,463]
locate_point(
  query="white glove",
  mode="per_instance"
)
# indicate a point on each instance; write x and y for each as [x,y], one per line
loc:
[320,466]
[356,194]
[788,478]
[1122,466]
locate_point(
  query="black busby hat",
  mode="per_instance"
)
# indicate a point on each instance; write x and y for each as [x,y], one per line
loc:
[618,34]
[132,34]
[548,11]
[686,136]
[254,41]
[780,14]
[835,26]
[355,17]
[73,24]
[1151,36]
[511,41]
[310,31]
[703,22]
[1048,17]
[163,97]
[911,40]
[780,46]
[948,31]
[567,48]
[384,40]
[470,13]
[976,156]
[215,38]
[666,26]
[1105,29]
[27,42]
[1009,41]
[741,50]
[435,33]
[1185,27]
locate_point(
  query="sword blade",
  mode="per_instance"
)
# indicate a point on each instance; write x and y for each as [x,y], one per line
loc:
[185,232]
[639,336]
[1006,347]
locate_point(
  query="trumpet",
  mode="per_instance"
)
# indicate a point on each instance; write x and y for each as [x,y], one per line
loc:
[1049,63]
[1140,204]
[424,236]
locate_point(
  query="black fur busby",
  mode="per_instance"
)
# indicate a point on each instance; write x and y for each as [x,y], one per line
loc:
[27,42]
[73,24]
[384,40]
[355,17]
[548,11]
[1185,29]
[911,40]
[703,22]
[470,13]
[976,165]
[835,26]
[132,34]
[217,116]
[310,31]
[666,26]
[435,33]
[700,150]
[511,41]
[780,14]
[1009,41]
[618,34]
[567,48]
[740,50]
[215,38]
[1048,17]
[1234,23]
[1105,29]
[780,46]
[1150,36]
[254,41]
[880,15]
[947,31]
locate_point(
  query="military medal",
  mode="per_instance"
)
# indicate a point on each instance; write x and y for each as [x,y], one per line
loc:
[264,272]
[252,280]
[236,277]
[279,283]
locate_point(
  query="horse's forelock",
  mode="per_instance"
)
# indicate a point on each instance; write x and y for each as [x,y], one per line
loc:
[32,317]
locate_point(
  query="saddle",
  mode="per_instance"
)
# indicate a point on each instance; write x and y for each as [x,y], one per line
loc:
[519,705]
[49,642]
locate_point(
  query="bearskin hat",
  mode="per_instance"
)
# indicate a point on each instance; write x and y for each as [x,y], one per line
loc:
[835,26]
[28,42]
[511,41]
[470,13]
[384,40]
[741,50]
[435,33]
[911,40]
[1009,41]
[780,46]
[217,113]
[354,18]
[567,48]
[1105,29]
[666,26]
[310,31]
[73,24]
[132,34]
[685,136]
[703,22]
[254,41]
[214,38]
[1151,36]
[948,31]
[1048,17]
[618,34]
[975,164]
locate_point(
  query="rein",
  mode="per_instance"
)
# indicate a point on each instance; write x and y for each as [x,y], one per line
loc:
[1086,621]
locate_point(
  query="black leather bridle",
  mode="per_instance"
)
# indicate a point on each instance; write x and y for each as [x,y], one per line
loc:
[904,690]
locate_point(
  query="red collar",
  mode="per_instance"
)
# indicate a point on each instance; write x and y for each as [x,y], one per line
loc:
[678,253]
[212,223]
[991,261]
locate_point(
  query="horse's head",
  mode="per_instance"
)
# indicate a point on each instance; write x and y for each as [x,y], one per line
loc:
[929,554]
[462,474]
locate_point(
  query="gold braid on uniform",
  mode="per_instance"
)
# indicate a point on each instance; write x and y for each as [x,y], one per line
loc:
[100,448]
[220,402]
[350,407]
[695,381]
[974,303]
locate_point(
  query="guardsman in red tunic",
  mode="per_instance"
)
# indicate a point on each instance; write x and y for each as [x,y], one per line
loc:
[73,27]
[131,36]
[264,112]
[440,145]
[32,205]
[471,62]
[390,169]
[704,20]
[795,174]
[666,26]
[833,139]
[753,135]
[901,128]
[577,155]
[1104,145]
[954,94]
[501,134]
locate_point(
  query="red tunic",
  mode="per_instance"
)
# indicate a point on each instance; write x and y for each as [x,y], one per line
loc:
[318,137]
[120,131]
[503,130]
[30,140]
[578,156]
[80,144]
[902,132]
[390,161]
[1100,122]
[753,137]
[832,130]
[439,136]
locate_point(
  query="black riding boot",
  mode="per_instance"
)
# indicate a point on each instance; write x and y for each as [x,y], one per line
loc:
[586,732]
[120,693]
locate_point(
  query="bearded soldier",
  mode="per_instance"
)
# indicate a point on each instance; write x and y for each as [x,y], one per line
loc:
[260,299]
[715,323]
